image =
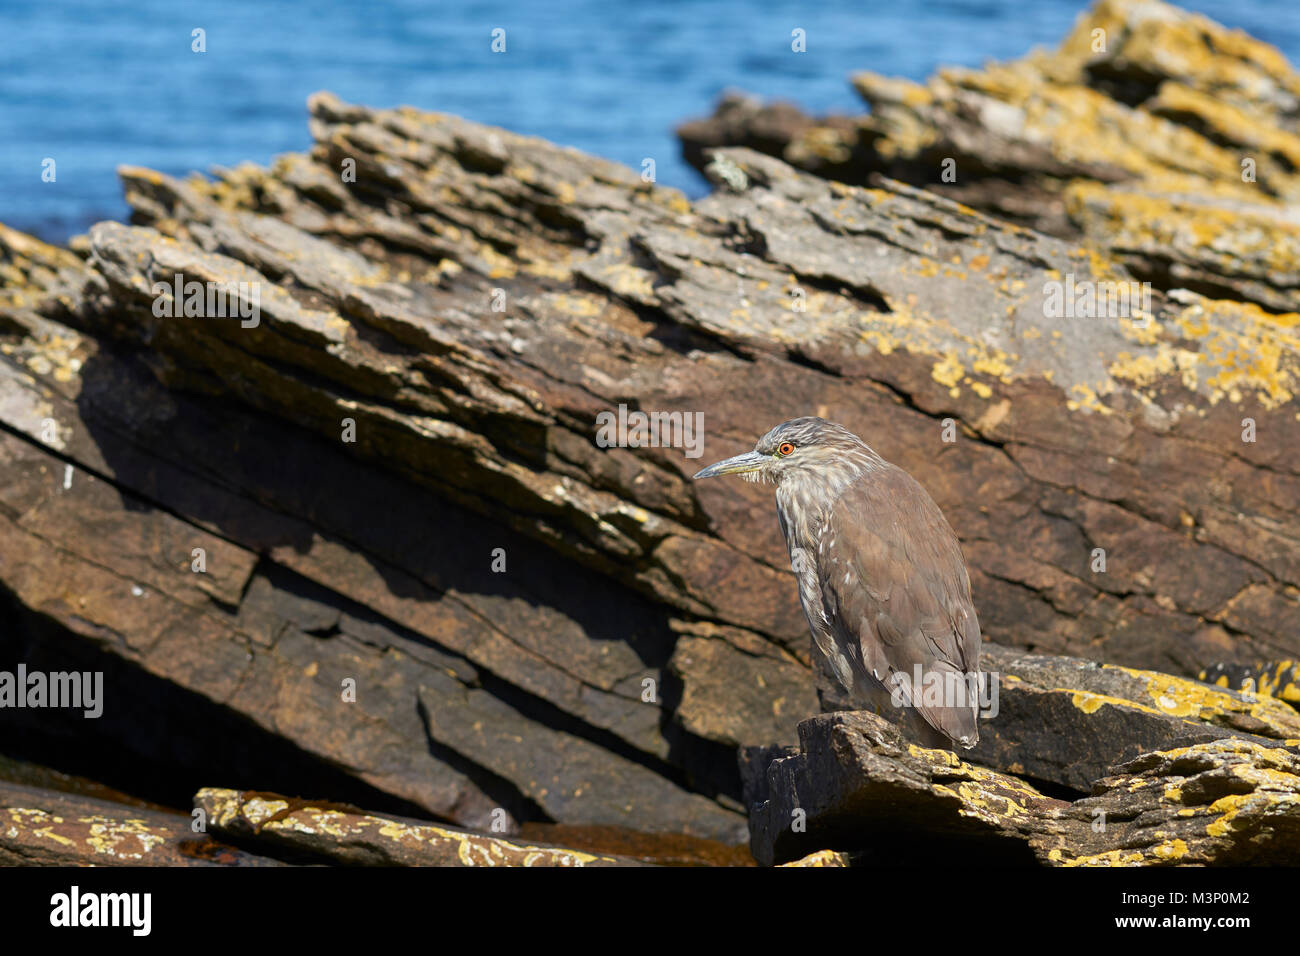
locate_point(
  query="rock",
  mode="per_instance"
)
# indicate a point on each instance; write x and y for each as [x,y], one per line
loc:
[732,680]
[1223,803]
[827,146]
[857,787]
[569,777]
[822,858]
[1280,679]
[1066,721]
[41,827]
[1159,135]
[323,833]
[754,762]
[425,578]
[659,849]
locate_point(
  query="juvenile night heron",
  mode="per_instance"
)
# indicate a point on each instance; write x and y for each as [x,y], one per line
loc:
[881,576]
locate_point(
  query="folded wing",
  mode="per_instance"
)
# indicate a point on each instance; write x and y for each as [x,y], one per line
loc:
[896,595]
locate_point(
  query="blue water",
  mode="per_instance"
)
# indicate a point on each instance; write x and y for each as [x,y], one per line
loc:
[97,84]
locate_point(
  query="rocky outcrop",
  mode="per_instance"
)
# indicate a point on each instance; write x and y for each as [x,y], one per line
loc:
[362,529]
[1280,679]
[40,827]
[1065,721]
[312,832]
[1164,144]
[859,791]
[49,818]
[1158,135]
[1062,722]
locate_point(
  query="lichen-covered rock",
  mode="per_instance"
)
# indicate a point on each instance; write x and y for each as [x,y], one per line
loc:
[822,858]
[857,788]
[1280,679]
[41,827]
[1222,803]
[1159,135]
[406,516]
[319,832]
[857,785]
[1066,721]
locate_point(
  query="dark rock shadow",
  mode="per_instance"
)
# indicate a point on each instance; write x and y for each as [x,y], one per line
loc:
[268,484]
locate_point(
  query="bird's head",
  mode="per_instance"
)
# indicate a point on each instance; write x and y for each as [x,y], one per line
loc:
[803,447]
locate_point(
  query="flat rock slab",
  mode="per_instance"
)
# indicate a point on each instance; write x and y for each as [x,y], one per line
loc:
[41,827]
[856,786]
[1067,721]
[317,831]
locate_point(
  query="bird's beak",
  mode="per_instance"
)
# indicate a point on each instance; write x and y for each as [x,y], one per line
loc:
[749,461]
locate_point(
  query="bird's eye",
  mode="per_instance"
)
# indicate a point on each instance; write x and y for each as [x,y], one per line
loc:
[785,448]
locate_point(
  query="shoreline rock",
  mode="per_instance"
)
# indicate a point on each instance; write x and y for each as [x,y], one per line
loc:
[310,830]
[1155,134]
[857,788]
[40,827]
[417,402]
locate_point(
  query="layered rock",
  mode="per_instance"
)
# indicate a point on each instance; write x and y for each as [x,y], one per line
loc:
[1066,721]
[1155,134]
[367,538]
[1161,142]
[40,827]
[860,793]
[311,832]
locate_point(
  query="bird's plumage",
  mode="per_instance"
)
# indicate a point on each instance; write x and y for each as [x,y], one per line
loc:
[896,589]
[881,575]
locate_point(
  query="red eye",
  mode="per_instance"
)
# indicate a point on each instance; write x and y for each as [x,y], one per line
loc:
[785,449]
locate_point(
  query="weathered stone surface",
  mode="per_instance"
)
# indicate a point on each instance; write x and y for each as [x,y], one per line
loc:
[277,628]
[822,858]
[906,319]
[1066,720]
[857,787]
[322,833]
[830,146]
[1223,803]
[1164,138]
[569,777]
[659,849]
[46,828]
[732,680]
[469,306]
[1280,679]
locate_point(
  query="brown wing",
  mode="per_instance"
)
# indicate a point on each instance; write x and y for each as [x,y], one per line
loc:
[894,586]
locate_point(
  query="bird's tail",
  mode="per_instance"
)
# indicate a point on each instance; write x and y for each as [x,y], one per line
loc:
[955,715]
[945,713]
[948,721]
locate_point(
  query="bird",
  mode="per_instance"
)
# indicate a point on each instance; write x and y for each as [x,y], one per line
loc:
[881,577]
